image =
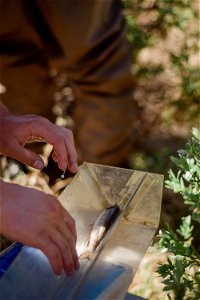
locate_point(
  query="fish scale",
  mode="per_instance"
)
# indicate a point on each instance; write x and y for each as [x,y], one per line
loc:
[100,228]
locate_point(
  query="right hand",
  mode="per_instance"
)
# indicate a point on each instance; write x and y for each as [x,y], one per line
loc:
[17,130]
[39,220]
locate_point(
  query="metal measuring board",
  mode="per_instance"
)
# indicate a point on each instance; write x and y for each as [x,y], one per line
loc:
[108,276]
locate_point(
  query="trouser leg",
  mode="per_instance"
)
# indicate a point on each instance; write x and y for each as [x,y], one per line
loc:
[24,61]
[98,61]
[93,40]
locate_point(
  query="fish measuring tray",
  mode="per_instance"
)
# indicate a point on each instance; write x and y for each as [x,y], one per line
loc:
[109,273]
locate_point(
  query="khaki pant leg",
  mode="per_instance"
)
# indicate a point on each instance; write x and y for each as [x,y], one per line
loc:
[98,58]
[24,64]
[92,36]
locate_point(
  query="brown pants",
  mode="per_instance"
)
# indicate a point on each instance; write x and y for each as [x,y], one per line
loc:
[90,35]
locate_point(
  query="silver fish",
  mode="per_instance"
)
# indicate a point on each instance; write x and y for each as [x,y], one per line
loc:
[99,230]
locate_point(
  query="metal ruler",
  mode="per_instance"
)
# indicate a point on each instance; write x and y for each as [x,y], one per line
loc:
[90,262]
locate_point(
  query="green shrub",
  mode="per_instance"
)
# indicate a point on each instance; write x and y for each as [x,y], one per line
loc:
[181,273]
[149,25]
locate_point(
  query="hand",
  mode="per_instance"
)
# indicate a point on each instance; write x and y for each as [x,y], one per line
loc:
[39,220]
[16,131]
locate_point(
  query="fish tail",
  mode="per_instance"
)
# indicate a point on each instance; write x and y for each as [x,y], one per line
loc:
[85,255]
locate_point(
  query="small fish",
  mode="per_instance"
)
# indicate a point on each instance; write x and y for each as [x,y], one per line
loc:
[99,230]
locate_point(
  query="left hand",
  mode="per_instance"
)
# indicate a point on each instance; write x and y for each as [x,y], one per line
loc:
[39,220]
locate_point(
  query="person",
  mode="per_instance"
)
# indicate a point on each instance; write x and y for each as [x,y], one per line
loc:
[30,216]
[87,40]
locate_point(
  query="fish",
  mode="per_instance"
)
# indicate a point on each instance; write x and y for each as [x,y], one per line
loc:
[101,226]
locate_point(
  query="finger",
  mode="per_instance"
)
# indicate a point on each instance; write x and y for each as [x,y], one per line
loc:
[61,154]
[62,141]
[54,156]
[53,135]
[65,246]
[66,233]
[53,254]
[70,222]
[71,152]
[26,156]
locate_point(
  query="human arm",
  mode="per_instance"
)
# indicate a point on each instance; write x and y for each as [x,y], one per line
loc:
[17,130]
[39,220]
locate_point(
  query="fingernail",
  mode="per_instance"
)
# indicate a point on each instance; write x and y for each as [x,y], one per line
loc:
[74,167]
[38,164]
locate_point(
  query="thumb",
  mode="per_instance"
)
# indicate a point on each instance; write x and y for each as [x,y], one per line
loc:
[27,156]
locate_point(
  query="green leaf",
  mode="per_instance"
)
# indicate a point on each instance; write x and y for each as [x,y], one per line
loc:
[196,134]
[180,275]
[196,217]
[185,229]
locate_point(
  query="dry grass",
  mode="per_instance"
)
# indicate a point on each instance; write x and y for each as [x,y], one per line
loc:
[146,282]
